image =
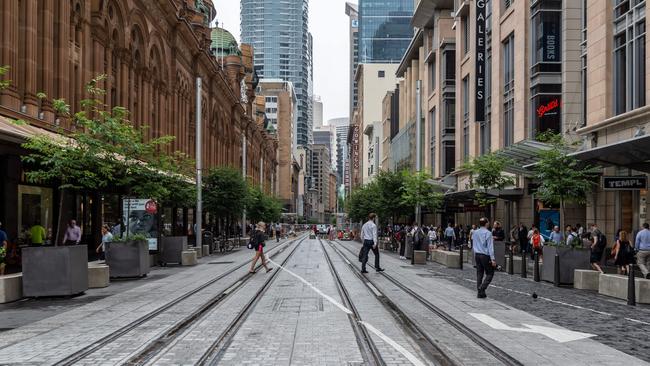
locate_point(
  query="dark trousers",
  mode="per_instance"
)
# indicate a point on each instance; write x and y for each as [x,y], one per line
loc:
[402,247]
[368,245]
[277,235]
[450,242]
[483,267]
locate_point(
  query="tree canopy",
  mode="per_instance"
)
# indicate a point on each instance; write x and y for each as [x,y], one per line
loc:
[487,173]
[225,192]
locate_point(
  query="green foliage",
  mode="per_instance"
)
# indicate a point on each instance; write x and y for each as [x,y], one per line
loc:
[225,192]
[362,201]
[562,178]
[105,149]
[418,190]
[389,201]
[3,253]
[4,84]
[487,173]
[262,207]
[131,237]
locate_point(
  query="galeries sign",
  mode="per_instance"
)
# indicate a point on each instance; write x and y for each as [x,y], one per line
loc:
[479,112]
[625,183]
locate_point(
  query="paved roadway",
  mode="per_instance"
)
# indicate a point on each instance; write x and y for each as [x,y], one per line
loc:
[314,308]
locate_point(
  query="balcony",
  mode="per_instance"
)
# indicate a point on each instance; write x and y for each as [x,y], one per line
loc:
[425,10]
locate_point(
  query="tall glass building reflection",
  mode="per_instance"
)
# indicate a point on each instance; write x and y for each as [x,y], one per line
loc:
[278,31]
[384,30]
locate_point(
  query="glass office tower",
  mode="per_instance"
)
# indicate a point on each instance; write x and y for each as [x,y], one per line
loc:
[385,30]
[278,32]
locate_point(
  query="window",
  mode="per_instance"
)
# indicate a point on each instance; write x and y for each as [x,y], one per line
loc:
[507,3]
[508,90]
[432,76]
[629,55]
[546,34]
[450,67]
[466,118]
[432,142]
[465,35]
[449,156]
[381,73]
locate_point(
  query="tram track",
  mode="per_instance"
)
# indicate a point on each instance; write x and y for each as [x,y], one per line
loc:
[370,353]
[216,350]
[154,346]
[479,340]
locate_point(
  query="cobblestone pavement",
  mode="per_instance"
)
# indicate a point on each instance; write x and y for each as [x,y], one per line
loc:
[302,319]
[616,324]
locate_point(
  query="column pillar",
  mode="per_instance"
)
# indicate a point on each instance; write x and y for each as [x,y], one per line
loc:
[29,61]
[123,91]
[62,78]
[9,52]
[46,65]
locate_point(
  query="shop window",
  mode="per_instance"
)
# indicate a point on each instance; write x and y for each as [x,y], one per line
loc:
[629,56]
[508,90]
[547,114]
[34,207]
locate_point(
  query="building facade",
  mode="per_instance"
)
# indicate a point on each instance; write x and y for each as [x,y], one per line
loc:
[384,30]
[151,52]
[322,170]
[278,31]
[352,11]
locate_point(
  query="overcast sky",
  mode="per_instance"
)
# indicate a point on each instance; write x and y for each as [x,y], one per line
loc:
[329,26]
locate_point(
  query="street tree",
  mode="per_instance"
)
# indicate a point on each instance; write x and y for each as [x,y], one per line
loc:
[262,207]
[105,149]
[390,205]
[362,201]
[419,191]
[487,173]
[563,178]
[225,194]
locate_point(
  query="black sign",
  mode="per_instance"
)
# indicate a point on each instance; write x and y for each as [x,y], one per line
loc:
[551,38]
[625,183]
[479,111]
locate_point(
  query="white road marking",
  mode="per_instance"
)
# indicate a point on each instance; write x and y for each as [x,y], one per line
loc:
[637,321]
[560,335]
[414,360]
[374,289]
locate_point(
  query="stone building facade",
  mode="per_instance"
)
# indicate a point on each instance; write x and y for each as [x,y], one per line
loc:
[151,52]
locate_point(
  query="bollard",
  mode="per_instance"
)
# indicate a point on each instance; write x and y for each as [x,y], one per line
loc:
[556,273]
[461,256]
[523,265]
[511,269]
[631,288]
[536,268]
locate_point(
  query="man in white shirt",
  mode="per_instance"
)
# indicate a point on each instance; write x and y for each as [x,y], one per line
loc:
[369,239]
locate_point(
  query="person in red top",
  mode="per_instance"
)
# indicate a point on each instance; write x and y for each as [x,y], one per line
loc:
[537,242]
[259,237]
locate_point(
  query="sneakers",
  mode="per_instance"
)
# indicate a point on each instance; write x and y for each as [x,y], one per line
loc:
[481,294]
[364,271]
[380,269]
[402,257]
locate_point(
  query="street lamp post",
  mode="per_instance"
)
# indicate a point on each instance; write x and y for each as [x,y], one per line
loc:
[199,167]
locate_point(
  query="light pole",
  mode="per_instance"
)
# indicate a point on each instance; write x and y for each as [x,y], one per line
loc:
[418,156]
[199,149]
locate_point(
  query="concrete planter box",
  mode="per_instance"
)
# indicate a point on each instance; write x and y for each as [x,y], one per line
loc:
[616,286]
[128,259]
[172,248]
[570,260]
[11,287]
[55,271]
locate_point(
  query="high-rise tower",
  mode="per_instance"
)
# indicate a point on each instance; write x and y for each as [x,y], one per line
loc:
[278,31]
[385,30]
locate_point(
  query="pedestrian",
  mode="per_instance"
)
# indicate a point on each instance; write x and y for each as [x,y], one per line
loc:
[450,236]
[483,245]
[72,234]
[418,236]
[522,238]
[598,245]
[471,236]
[107,237]
[369,239]
[457,238]
[571,236]
[4,246]
[278,232]
[580,230]
[497,232]
[258,237]
[556,236]
[537,243]
[642,245]
[117,229]
[402,242]
[623,253]
[433,237]
[37,234]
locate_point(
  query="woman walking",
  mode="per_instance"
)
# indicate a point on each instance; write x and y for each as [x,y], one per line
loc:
[259,238]
[623,253]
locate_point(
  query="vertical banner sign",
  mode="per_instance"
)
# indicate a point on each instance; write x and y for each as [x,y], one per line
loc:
[479,113]
[140,217]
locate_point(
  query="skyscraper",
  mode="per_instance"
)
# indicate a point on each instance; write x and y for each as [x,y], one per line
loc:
[278,31]
[352,11]
[384,30]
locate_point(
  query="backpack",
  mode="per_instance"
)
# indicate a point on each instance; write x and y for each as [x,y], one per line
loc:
[418,236]
[537,241]
[602,242]
[251,243]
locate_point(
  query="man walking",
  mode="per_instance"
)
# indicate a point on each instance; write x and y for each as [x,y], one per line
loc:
[642,244]
[369,238]
[483,245]
[278,232]
[72,234]
[450,235]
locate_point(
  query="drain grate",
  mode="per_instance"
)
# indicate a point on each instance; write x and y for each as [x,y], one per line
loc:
[298,304]
[220,262]
[482,305]
[430,275]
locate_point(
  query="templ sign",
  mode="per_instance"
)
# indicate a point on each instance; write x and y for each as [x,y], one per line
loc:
[479,112]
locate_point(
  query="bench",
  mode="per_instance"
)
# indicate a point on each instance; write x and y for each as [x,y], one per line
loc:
[616,286]
[420,257]
[446,258]
[188,258]
[98,275]
[586,279]
[11,287]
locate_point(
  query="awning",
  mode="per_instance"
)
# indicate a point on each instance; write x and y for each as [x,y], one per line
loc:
[423,14]
[19,131]
[633,153]
[468,195]
[522,155]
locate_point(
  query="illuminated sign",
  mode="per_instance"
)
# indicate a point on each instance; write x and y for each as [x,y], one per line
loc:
[545,109]
[625,183]
[479,112]
[355,147]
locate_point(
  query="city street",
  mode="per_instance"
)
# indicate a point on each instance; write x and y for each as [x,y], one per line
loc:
[315,308]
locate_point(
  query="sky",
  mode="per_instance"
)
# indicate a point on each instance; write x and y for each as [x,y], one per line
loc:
[329,27]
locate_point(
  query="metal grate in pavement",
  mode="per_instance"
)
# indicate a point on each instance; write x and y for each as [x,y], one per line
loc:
[220,262]
[298,304]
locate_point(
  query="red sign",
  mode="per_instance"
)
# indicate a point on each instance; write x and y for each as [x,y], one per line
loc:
[151,207]
[543,109]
